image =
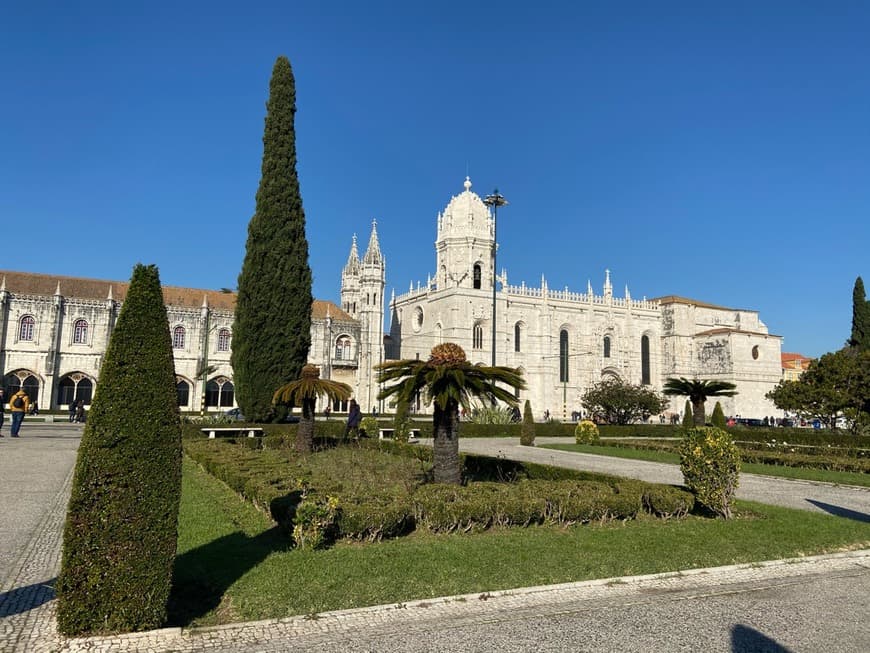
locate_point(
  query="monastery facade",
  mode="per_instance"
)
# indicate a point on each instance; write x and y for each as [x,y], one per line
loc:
[54,330]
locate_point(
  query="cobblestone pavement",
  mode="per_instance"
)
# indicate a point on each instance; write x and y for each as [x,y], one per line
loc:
[35,476]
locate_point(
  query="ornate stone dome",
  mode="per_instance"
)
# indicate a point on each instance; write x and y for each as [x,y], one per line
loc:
[466,215]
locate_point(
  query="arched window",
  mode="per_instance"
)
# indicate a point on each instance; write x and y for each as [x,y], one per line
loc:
[563,356]
[12,383]
[517,334]
[178,334]
[26,328]
[74,387]
[477,275]
[80,332]
[644,361]
[342,349]
[219,392]
[224,340]
[477,337]
[606,346]
[182,389]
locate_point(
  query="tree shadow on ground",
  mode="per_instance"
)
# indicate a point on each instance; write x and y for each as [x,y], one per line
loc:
[202,575]
[839,511]
[22,599]
[748,640]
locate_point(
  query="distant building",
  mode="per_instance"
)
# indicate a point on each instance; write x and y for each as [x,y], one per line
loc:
[793,365]
[54,330]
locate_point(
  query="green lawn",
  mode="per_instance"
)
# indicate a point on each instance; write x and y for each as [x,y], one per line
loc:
[234,565]
[843,478]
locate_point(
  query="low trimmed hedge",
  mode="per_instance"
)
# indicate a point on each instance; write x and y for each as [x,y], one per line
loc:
[276,483]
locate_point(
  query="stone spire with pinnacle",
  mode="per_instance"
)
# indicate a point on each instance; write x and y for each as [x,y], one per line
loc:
[373,254]
[352,265]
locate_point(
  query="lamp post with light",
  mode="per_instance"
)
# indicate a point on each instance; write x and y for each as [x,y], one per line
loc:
[494,200]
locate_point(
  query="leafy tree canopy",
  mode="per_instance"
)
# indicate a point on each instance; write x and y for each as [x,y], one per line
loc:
[623,403]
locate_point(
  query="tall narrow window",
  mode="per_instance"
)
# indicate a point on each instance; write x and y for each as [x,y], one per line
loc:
[26,328]
[477,275]
[606,346]
[517,334]
[178,334]
[182,390]
[477,337]
[342,348]
[80,332]
[644,361]
[563,356]
[223,340]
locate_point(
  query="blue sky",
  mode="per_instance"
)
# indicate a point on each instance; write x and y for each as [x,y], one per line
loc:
[719,151]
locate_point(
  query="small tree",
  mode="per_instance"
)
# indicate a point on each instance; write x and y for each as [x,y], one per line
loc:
[860,337]
[527,433]
[710,463]
[698,392]
[120,535]
[688,418]
[401,422]
[621,402]
[305,391]
[586,432]
[717,419]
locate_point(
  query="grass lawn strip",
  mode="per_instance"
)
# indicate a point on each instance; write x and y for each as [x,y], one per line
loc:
[781,471]
[234,565]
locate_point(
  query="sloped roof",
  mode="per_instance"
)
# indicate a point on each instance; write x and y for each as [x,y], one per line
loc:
[676,299]
[721,330]
[788,357]
[33,283]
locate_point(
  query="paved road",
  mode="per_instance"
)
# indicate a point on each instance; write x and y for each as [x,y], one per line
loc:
[846,501]
[809,605]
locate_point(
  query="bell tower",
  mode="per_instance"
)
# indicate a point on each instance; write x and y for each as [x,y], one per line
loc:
[464,245]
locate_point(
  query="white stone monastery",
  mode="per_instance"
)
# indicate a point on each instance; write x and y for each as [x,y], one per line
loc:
[54,330]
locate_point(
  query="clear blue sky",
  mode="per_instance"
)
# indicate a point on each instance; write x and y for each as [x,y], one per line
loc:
[719,151]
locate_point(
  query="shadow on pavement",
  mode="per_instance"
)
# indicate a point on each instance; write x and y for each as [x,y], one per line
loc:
[22,599]
[202,575]
[748,640]
[840,511]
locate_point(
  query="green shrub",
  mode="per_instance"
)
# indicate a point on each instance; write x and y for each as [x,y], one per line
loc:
[717,419]
[374,517]
[688,418]
[401,423]
[586,432]
[369,426]
[316,521]
[710,463]
[527,433]
[120,535]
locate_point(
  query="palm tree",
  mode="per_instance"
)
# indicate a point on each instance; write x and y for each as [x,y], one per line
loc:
[449,381]
[304,391]
[698,391]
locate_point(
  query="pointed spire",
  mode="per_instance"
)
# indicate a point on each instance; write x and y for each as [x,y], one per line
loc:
[57,290]
[3,285]
[589,288]
[109,296]
[352,265]
[373,252]
[204,300]
[608,287]
[627,294]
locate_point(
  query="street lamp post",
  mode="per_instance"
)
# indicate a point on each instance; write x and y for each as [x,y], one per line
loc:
[494,200]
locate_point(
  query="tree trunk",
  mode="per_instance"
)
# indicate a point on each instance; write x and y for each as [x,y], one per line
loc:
[305,432]
[698,416]
[446,467]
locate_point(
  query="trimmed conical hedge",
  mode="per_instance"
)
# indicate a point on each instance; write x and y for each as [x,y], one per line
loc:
[121,529]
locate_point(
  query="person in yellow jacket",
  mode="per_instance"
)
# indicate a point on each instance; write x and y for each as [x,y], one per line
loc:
[19,404]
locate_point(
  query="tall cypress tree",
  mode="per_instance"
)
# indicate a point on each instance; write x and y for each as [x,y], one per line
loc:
[860,318]
[271,336]
[120,535]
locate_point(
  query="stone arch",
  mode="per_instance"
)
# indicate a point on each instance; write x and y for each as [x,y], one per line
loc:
[73,386]
[25,379]
[184,390]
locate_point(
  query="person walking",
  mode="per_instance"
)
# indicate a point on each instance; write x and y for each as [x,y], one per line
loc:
[354,417]
[2,410]
[72,410]
[80,411]
[19,404]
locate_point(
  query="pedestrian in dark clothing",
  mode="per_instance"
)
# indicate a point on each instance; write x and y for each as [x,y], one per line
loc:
[354,417]
[80,411]
[2,411]
[72,410]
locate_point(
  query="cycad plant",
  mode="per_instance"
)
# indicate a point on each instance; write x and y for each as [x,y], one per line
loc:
[448,381]
[698,392]
[304,392]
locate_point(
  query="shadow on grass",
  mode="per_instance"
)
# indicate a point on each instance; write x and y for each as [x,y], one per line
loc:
[839,511]
[23,599]
[201,576]
[748,640]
